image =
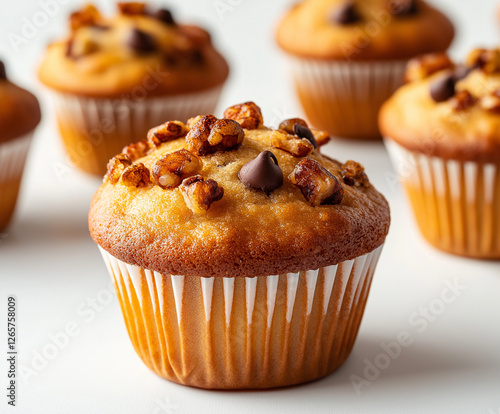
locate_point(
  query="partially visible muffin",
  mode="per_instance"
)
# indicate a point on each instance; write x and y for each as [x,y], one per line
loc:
[113,78]
[246,254]
[443,131]
[348,57]
[19,116]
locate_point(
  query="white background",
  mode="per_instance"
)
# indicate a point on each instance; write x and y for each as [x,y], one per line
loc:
[49,262]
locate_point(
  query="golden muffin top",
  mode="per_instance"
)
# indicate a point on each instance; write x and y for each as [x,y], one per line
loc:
[19,109]
[141,47]
[364,29]
[446,109]
[231,197]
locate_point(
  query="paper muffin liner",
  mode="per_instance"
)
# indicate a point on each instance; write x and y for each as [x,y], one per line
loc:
[13,154]
[95,129]
[344,97]
[456,204]
[244,332]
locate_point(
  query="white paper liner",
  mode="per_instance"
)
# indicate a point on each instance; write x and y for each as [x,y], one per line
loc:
[259,332]
[456,203]
[107,125]
[13,154]
[345,96]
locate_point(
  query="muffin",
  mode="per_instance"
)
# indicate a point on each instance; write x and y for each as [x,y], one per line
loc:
[113,78]
[242,257]
[443,132]
[348,57]
[19,116]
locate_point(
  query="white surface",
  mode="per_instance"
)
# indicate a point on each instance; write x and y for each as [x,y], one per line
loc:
[49,262]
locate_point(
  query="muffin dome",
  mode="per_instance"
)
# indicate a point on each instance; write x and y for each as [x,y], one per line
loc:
[140,47]
[364,29]
[448,110]
[204,199]
[19,109]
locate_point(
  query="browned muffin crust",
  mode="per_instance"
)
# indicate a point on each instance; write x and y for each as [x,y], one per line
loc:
[246,232]
[19,111]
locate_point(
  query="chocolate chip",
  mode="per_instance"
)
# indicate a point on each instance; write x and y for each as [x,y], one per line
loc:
[443,89]
[262,173]
[304,132]
[345,14]
[141,42]
[164,16]
[462,71]
[403,8]
[3,73]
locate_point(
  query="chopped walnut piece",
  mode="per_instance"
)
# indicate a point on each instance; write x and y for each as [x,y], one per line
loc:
[485,59]
[191,121]
[169,170]
[491,102]
[424,66]
[209,135]
[247,114]
[322,137]
[137,150]
[317,184]
[200,194]
[354,174]
[132,8]
[116,166]
[167,132]
[298,147]
[136,175]
[462,101]
[88,16]
[288,124]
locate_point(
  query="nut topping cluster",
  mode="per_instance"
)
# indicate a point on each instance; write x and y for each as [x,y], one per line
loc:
[424,66]
[317,184]
[205,135]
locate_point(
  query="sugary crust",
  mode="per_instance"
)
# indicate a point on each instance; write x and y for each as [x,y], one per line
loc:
[247,233]
[307,31]
[19,111]
[414,120]
[184,62]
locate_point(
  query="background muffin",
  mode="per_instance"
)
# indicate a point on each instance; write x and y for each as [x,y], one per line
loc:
[443,132]
[114,78]
[19,116]
[347,57]
[246,253]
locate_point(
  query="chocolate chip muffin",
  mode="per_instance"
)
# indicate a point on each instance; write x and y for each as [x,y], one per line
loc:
[442,129]
[241,255]
[19,116]
[113,78]
[348,56]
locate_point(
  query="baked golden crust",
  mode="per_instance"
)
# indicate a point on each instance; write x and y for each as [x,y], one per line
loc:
[246,233]
[19,111]
[464,126]
[307,31]
[132,54]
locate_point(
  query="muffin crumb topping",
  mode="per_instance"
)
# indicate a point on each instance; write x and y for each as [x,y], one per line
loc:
[247,114]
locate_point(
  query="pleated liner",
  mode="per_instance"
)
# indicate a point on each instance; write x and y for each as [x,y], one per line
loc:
[95,129]
[344,97]
[456,204]
[13,156]
[234,333]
